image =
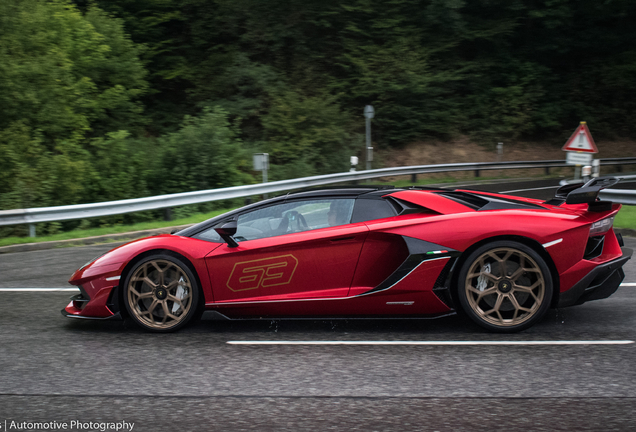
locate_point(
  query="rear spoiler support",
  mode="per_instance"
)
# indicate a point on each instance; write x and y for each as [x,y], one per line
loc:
[585,193]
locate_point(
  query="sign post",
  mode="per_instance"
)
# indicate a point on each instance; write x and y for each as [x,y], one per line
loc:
[261,163]
[596,168]
[369,113]
[580,147]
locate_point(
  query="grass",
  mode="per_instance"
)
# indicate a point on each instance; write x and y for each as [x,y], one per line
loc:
[142,226]
[626,217]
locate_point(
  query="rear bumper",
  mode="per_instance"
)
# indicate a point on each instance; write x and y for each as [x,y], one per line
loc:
[600,283]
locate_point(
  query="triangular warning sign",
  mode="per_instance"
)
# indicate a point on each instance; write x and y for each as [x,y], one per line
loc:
[581,140]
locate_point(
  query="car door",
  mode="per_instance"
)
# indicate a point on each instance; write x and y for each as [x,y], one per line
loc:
[299,249]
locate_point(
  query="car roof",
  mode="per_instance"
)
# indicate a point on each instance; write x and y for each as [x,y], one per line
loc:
[365,192]
[469,198]
[357,191]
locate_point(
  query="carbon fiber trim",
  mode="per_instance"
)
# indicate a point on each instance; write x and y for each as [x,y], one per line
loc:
[419,251]
[442,285]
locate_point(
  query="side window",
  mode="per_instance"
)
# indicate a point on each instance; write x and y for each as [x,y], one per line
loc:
[370,209]
[286,218]
[210,235]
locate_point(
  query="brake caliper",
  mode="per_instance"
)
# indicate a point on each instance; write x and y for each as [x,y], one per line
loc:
[482,281]
[180,294]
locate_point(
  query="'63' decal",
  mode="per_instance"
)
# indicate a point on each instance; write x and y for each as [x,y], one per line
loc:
[265,272]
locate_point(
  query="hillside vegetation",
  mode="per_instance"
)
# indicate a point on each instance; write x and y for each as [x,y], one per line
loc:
[112,99]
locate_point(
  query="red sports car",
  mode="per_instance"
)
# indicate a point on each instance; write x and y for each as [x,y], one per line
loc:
[368,252]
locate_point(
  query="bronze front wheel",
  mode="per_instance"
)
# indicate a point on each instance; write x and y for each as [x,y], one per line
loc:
[505,286]
[161,293]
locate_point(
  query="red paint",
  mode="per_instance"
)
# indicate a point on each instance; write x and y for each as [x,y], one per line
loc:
[381,255]
[325,261]
[432,201]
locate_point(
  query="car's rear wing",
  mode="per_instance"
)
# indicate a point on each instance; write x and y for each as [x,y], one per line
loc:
[585,193]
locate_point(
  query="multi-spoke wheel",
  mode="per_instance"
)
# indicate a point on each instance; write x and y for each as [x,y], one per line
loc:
[505,286]
[161,293]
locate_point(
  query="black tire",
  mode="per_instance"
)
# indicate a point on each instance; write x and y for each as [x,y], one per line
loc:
[505,286]
[161,294]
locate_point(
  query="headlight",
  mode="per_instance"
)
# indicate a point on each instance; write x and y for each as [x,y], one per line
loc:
[601,227]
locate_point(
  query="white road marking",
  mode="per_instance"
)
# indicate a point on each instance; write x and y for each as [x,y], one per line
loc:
[523,190]
[37,289]
[435,343]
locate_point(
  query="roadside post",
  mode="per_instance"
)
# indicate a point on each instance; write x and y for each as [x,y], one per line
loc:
[596,168]
[580,147]
[354,162]
[369,113]
[499,151]
[261,163]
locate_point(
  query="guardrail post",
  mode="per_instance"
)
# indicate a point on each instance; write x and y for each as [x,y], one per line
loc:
[413,178]
[476,173]
[547,170]
[167,214]
[31,230]
[619,168]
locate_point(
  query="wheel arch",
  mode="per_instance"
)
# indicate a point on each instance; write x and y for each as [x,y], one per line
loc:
[531,243]
[131,264]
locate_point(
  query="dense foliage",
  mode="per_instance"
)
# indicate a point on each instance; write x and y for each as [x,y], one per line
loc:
[491,68]
[110,99]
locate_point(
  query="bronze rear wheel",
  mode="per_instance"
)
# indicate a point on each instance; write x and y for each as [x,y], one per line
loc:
[505,286]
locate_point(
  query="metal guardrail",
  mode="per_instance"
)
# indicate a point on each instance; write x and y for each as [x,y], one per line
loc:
[81,211]
[623,196]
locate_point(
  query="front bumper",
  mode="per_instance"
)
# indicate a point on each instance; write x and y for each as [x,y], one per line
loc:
[67,314]
[97,300]
[600,283]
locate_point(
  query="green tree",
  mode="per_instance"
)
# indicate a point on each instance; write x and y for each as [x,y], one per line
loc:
[204,154]
[61,75]
[163,27]
[61,82]
[122,166]
[307,135]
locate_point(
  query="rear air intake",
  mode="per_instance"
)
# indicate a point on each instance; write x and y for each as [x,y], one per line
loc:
[594,247]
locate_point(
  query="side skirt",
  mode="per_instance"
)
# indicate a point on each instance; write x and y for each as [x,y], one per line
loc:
[213,315]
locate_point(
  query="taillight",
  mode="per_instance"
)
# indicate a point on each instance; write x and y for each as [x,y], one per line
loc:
[602,226]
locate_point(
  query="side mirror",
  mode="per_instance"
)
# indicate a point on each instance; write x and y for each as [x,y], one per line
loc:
[226,231]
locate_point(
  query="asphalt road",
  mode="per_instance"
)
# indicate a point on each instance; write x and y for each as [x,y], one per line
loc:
[54,369]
